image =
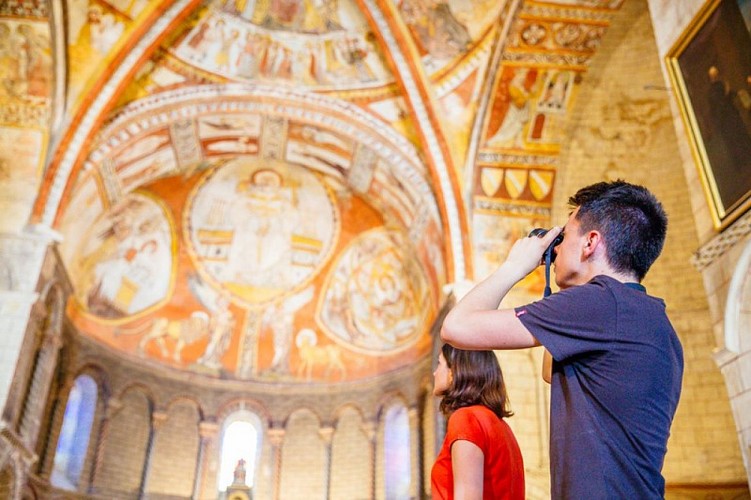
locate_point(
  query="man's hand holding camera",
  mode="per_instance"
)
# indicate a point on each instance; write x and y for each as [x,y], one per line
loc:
[528,253]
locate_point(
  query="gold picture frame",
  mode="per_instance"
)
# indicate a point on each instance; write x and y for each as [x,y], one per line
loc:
[710,71]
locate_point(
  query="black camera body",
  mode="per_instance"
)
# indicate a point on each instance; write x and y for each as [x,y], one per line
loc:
[548,255]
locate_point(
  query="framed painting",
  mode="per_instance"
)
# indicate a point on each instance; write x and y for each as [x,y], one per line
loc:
[710,69]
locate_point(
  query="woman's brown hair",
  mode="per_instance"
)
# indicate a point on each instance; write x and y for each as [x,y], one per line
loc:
[477,380]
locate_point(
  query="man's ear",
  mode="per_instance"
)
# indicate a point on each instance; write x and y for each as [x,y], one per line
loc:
[592,244]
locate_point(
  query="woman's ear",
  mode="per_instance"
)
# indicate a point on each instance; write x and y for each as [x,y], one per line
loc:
[451,377]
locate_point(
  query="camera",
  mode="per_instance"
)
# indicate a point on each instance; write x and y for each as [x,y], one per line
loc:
[548,255]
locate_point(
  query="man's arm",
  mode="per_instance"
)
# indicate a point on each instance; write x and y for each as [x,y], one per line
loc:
[475,322]
[547,366]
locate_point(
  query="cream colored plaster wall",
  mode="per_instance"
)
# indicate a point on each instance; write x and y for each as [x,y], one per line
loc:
[719,256]
[669,19]
[624,128]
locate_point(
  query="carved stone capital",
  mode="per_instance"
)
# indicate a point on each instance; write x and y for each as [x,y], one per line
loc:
[276,435]
[326,434]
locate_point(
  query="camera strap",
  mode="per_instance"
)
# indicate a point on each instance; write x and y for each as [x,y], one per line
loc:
[548,258]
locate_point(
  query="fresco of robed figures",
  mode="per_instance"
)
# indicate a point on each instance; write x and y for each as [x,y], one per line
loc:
[259,230]
[125,264]
[324,43]
[25,62]
[446,30]
[531,104]
[94,28]
[375,297]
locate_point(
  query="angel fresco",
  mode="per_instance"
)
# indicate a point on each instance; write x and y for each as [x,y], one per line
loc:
[126,265]
[517,97]
[98,35]
[280,319]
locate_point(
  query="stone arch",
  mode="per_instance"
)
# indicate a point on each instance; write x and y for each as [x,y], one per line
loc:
[734,358]
[389,441]
[45,353]
[74,430]
[11,475]
[185,400]
[737,310]
[177,427]
[128,434]
[303,456]
[351,471]
[251,405]
[7,481]
[263,475]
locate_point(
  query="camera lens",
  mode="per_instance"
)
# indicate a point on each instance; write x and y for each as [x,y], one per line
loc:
[540,232]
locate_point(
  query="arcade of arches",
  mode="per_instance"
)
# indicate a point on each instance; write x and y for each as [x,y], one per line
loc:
[231,229]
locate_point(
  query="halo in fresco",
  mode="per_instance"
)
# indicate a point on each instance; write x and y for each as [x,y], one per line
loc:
[125,266]
[260,230]
[376,296]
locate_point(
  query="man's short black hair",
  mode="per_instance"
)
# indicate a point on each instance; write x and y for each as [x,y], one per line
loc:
[630,219]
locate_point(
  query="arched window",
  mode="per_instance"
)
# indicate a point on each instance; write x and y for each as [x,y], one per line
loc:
[397,453]
[74,434]
[241,440]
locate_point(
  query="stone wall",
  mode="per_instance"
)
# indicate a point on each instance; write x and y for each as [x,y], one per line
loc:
[624,128]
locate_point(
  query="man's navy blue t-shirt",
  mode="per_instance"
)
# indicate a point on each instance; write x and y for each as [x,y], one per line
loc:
[617,371]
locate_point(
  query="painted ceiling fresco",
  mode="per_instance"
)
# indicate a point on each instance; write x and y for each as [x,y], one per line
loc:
[238,240]
[281,190]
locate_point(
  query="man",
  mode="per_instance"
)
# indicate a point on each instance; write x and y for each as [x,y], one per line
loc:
[617,362]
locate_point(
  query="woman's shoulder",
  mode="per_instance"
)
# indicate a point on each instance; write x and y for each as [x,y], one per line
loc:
[474,412]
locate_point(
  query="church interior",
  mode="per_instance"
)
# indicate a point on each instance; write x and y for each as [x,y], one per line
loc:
[181,318]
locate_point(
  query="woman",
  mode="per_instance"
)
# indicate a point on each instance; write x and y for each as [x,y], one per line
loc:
[480,457]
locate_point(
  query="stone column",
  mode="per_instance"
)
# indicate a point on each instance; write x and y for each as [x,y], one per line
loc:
[327,435]
[58,413]
[21,259]
[276,438]
[414,452]
[157,420]
[113,406]
[207,430]
[41,380]
[369,429]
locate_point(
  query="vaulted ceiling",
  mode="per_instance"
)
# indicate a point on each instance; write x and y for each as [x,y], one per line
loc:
[282,189]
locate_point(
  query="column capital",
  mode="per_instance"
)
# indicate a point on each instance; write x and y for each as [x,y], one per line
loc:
[114,405]
[208,428]
[158,417]
[276,435]
[369,428]
[326,433]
